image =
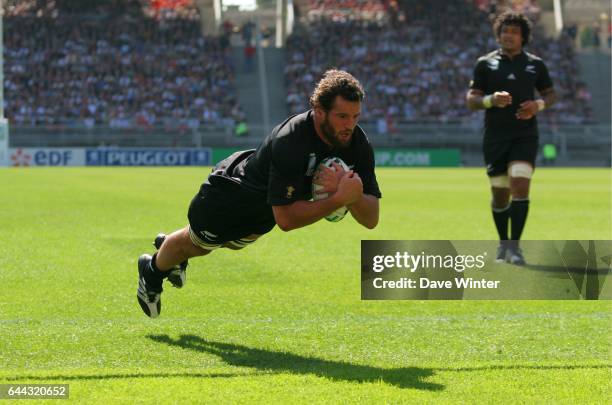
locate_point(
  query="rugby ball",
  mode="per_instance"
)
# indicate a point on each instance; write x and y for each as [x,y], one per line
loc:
[338,214]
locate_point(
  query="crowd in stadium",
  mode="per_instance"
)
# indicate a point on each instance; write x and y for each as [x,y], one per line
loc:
[117,67]
[130,64]
[343,10]
[420,69]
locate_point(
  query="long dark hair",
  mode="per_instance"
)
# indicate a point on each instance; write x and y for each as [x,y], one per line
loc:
[512,18]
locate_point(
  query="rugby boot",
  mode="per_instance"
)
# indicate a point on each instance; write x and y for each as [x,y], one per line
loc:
[149,290]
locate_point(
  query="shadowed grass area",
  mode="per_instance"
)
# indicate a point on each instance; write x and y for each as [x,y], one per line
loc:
[282,362]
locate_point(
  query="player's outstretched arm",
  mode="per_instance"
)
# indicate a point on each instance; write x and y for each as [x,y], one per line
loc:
[302,213]
[365,211]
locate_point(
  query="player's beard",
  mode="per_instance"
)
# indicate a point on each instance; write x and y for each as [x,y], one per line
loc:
[333,137]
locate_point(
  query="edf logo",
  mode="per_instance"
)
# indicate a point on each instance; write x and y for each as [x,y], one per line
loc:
[47,157]
[52,157]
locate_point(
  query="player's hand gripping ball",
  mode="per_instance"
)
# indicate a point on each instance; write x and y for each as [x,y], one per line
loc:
[338,214]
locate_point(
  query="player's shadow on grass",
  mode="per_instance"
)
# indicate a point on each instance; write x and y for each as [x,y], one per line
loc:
[272,361]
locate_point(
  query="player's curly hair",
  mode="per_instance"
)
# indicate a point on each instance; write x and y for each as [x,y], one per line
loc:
[512,18]
[336,83]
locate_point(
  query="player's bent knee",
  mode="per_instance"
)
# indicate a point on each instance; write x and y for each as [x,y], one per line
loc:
[185,245]
[193,251]
[241,243]
[500,181]
[197,244]
[521,169]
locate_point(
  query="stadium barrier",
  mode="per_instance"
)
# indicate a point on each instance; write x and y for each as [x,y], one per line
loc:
[577,145]
[417,157]
[24,157]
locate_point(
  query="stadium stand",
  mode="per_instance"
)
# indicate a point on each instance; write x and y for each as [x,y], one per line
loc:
[416,62]
[135,73]
[346,9]
[120,64]
[127,64]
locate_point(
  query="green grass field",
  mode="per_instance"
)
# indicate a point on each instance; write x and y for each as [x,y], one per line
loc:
[282,321]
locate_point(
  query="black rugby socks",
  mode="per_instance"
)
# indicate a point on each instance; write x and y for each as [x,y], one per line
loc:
[518,216]
[500,216]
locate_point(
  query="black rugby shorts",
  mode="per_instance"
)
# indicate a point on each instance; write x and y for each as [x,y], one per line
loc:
[498,154]
[225,213]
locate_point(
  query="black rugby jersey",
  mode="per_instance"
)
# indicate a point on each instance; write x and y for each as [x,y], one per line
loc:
[518,76]
[282,168]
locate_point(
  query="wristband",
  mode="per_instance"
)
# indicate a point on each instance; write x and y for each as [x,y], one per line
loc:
[541,104]
[487,101]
